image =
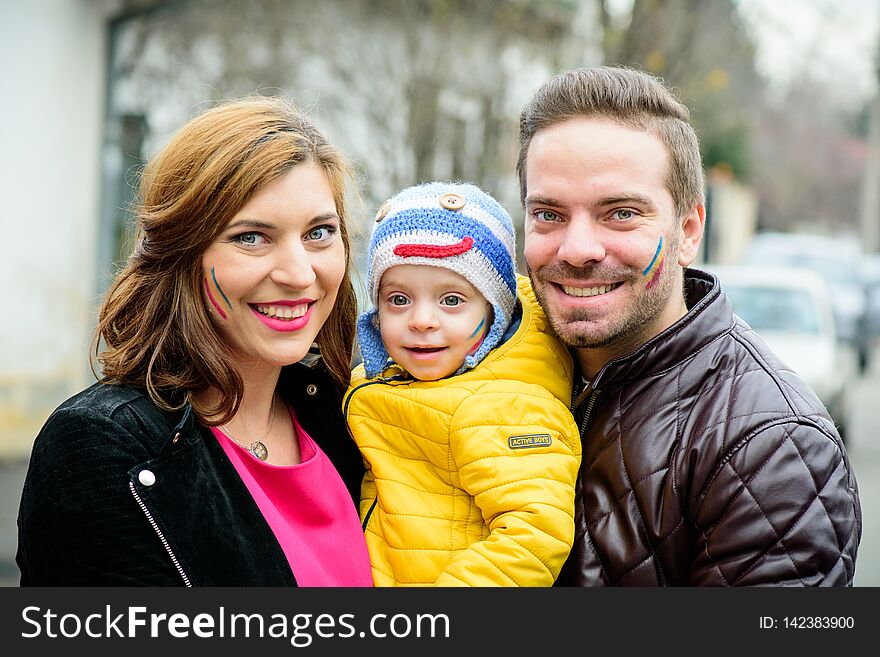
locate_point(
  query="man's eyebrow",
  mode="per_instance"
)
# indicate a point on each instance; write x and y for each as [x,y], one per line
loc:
[539,199]
[617,199]
[628,197]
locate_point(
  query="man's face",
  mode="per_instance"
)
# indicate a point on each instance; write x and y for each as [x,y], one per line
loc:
[602,239]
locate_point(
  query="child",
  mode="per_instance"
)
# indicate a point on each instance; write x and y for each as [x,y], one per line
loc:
[460,407]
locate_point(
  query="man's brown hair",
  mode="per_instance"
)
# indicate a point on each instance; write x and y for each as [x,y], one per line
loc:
[631,98]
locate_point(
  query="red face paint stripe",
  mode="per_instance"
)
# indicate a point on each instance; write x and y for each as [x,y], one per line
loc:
[213,300]
[433,250]
[656,276]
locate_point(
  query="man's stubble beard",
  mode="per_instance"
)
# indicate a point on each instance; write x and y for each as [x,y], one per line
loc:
[625,329]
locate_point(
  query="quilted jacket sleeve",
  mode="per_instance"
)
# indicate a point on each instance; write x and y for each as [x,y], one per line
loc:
[781,508]
[520,467]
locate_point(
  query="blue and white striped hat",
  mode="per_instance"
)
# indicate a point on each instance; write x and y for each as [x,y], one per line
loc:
[442,224]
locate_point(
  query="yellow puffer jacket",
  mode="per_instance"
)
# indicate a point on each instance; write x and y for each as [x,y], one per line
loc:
[470,479]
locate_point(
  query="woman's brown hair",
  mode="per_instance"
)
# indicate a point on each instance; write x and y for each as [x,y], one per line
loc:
[153,320]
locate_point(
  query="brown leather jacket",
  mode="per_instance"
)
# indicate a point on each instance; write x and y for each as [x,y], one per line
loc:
[708,462]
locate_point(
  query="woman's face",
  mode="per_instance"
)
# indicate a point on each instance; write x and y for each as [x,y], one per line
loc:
[270,278]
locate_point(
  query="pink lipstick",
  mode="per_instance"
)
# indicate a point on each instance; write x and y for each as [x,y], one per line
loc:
[280,323]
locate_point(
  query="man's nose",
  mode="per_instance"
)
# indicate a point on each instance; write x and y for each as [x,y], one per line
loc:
[582,242]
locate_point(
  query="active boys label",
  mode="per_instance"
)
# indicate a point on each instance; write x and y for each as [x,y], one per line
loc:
[529,440]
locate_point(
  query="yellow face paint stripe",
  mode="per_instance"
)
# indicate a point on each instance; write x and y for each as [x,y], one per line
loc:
[477,330]
[656,260]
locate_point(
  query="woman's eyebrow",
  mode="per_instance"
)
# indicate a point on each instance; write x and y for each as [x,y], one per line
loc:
[250,223]
[327,216]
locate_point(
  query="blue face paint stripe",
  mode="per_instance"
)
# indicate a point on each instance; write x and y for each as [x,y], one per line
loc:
[477,330]
[654,259]
[220,289]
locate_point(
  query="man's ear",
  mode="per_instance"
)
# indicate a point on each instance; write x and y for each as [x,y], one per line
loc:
[692,225]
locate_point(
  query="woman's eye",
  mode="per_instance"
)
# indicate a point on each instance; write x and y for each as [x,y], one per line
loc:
[249,239]
[546,215]
[398,300]
[320,233]
[623,215]
[452,301]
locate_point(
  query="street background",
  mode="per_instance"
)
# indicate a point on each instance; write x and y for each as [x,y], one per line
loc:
[783,95]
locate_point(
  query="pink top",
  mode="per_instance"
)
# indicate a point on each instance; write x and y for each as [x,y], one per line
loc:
[310,512]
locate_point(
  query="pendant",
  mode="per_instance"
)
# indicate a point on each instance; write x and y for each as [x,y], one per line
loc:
[259,450]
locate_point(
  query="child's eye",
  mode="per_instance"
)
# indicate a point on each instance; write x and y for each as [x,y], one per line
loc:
[398,300]
[249,239]
[452,301]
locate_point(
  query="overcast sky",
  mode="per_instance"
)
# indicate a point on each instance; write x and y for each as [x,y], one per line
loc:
[836,39]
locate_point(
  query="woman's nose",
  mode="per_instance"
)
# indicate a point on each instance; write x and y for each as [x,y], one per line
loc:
[293,266]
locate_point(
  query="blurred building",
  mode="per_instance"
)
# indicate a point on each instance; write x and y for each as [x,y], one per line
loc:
[731,218]
[411,90]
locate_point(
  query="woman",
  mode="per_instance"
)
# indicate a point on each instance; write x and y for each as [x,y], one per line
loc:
[210,453]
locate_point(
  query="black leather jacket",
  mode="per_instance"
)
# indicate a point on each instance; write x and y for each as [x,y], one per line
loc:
[706,461]
[89,518]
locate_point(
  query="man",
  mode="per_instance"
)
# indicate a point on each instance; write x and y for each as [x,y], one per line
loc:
[705,460]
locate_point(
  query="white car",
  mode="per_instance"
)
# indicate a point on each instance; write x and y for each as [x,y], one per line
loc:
[791,310]
[839,261]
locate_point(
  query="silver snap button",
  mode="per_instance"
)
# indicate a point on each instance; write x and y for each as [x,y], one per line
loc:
[311,390]
[146,477]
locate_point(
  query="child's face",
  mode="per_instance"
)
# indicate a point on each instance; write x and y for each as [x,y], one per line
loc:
[430,318]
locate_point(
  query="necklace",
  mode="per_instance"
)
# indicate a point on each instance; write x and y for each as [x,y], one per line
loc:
[257,448]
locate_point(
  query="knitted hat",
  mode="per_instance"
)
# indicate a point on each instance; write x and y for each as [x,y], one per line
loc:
[442,224]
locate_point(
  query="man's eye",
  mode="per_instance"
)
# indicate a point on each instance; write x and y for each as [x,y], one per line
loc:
[623,215]
[546,215]
[398,300]
[452,301]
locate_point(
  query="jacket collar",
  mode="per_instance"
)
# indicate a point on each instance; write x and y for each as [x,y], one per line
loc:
[186,426]
[709,316]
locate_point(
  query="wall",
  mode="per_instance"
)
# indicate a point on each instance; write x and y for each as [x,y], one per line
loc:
[731,219]
[52,79]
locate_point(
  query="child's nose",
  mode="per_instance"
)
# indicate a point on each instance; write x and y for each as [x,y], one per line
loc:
[423,317]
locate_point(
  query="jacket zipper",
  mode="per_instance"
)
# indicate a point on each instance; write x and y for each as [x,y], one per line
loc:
[137,498]
[369,513]
[589,411]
